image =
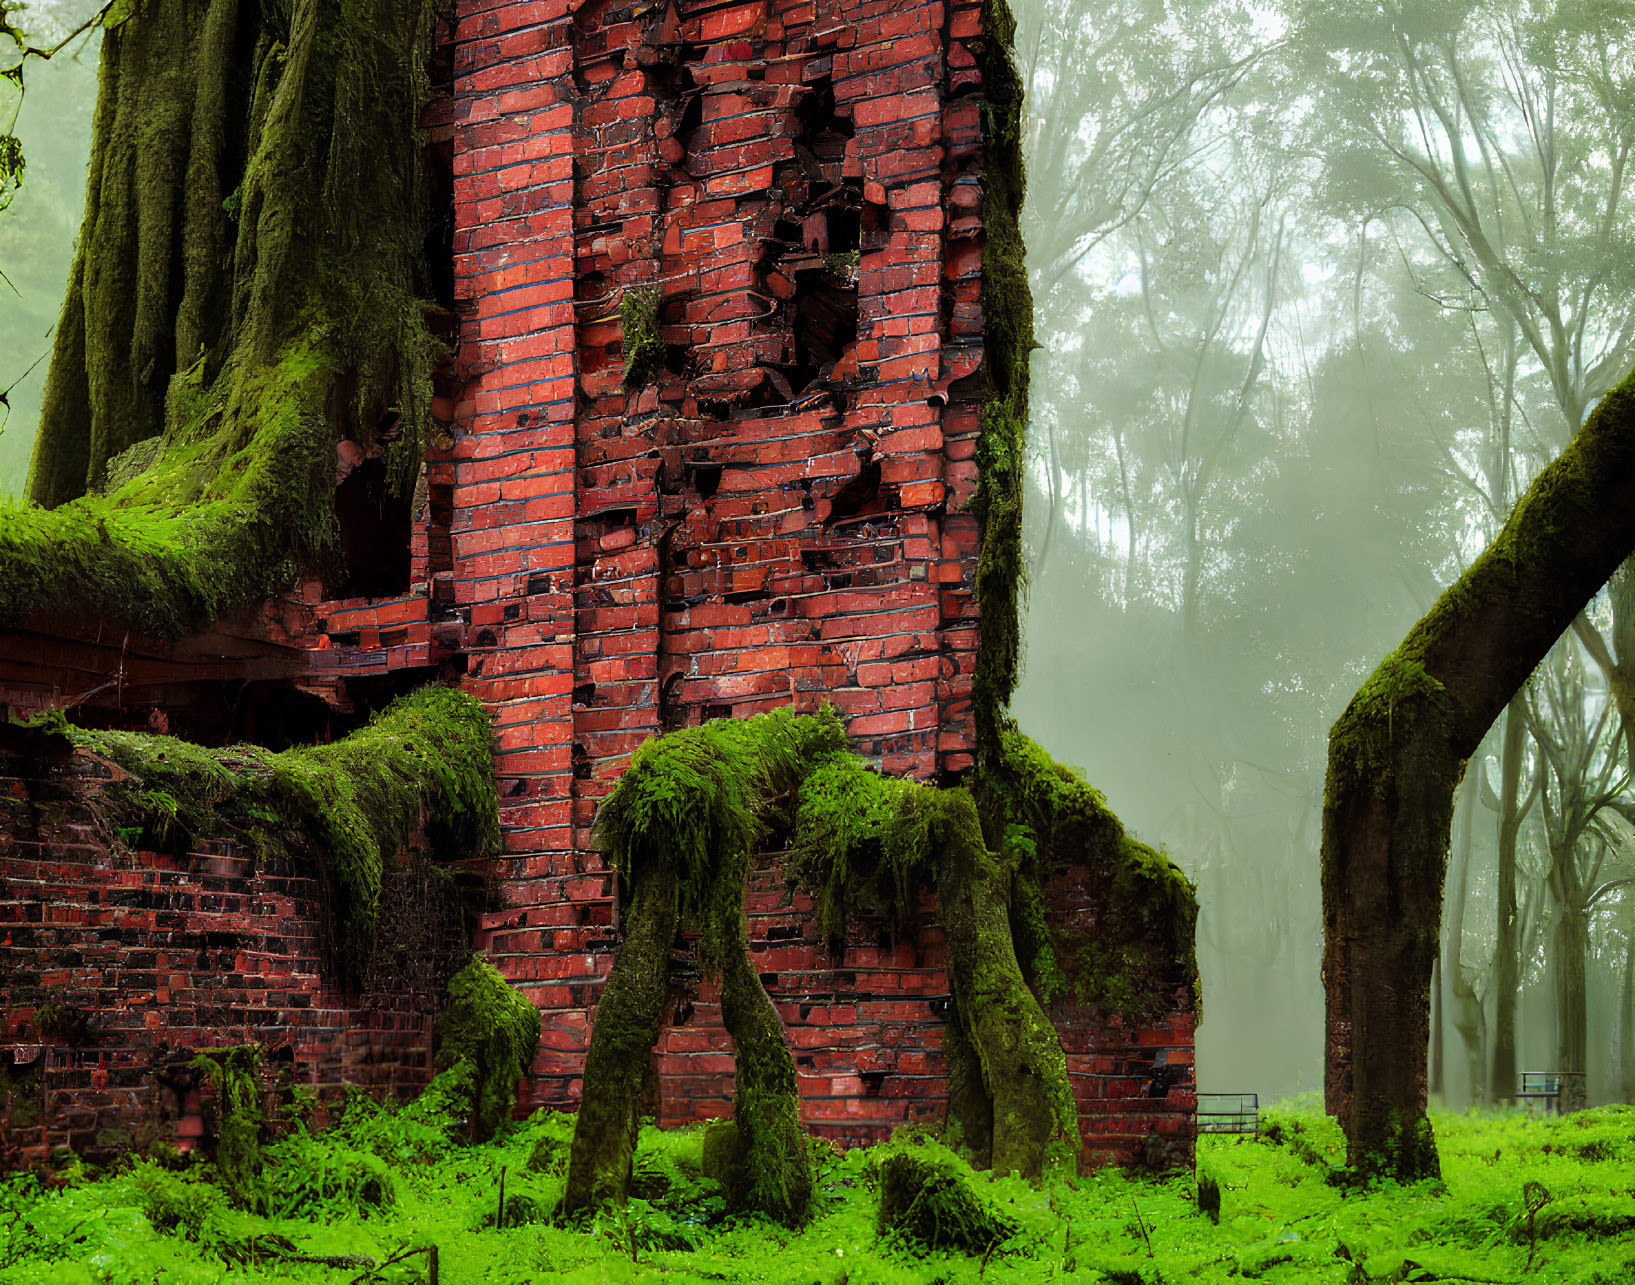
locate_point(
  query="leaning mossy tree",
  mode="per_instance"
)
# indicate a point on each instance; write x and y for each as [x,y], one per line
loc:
[1397,754]
[249,287]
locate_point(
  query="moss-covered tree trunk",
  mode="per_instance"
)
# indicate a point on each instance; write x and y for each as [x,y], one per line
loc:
[1398,752]
[769,1172]
[969,1105]
[628,1016]
[249,286]
[1023,1069]
[1571,954]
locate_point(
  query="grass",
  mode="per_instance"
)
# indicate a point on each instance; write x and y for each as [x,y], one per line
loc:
[383,1182]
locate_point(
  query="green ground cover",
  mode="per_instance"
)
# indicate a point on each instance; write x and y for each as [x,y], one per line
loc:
[385,1181]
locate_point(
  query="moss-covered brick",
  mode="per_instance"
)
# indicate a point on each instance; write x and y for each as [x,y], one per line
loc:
[426,760]
[1142,949]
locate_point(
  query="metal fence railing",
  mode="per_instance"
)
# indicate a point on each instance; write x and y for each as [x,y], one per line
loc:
[1229,1113]
[1542,1089]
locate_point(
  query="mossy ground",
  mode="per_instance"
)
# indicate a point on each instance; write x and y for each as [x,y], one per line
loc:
[1281,1219]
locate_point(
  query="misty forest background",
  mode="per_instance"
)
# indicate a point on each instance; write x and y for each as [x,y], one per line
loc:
[1320,288]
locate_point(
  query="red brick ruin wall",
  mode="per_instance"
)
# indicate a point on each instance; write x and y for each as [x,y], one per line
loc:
[779,518]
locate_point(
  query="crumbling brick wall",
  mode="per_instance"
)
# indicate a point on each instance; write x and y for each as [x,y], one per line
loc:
[774,512]
[117,963]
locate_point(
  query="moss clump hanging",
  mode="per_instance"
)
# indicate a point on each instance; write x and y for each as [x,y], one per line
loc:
[234,1075]
[425,760]
[1141,951]
[860,844]
[496,1030]
[249,288]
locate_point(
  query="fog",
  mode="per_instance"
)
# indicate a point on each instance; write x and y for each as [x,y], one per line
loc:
[1318,292]
[52,118]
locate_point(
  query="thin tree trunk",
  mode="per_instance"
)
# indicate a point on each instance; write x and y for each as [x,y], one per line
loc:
[1572,947]
[1397,753]
[1626,1021]
[1438,1054]
[1465,1008]
[1507,950]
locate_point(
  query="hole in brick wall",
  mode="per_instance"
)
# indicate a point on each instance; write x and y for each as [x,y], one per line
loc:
[821,144]
[873,1081]
[675,358]
[539,584]
[825,328]
[874,227]
[581,762]
[487,638]
[692,117]
[22,1090]
[442,606]
[590,286]
[584,694]
[671,712]
[440,511]
[374,531]
[714,409]
[860,494]
[746,595]
[439,186]
[706,478]
[716,711]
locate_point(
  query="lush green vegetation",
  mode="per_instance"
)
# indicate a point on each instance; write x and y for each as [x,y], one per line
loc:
[383,1181]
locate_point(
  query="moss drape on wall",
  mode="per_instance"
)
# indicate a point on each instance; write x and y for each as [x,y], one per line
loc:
[248,289]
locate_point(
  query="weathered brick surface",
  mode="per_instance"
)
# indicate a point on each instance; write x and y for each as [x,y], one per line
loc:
[778,517]
[168,954]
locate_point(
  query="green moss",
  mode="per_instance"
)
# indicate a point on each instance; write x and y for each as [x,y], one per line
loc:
[1142,948]
[644,347]
[234,1074]
[680,827]
[206,364]
[698,801]
[928,1198]
[427,759]
[496,1030]
[860,844]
